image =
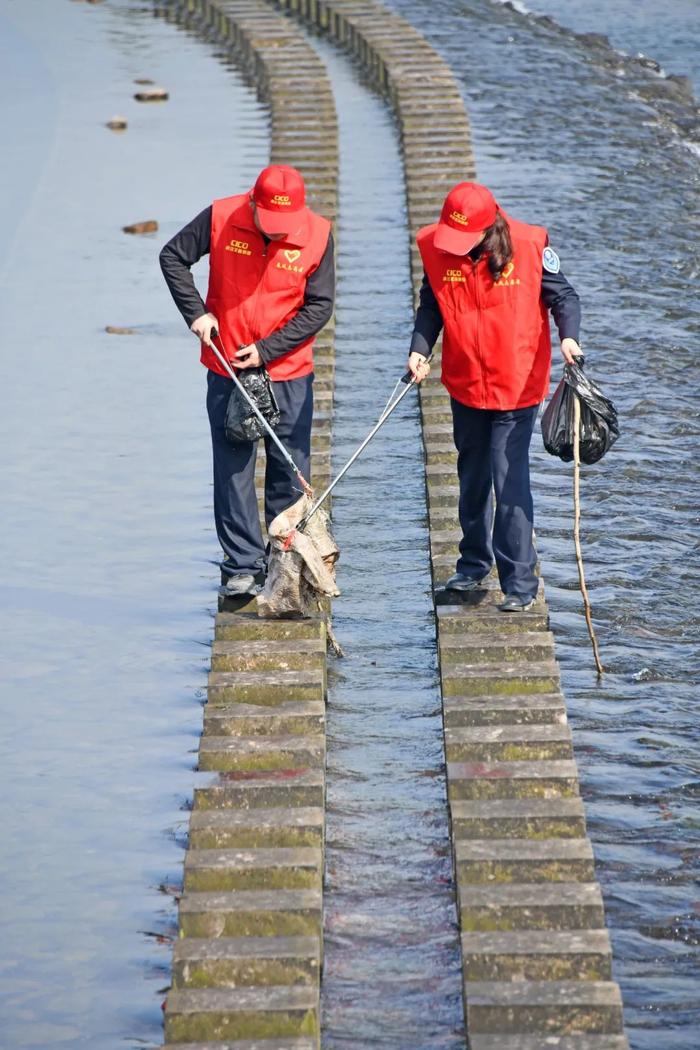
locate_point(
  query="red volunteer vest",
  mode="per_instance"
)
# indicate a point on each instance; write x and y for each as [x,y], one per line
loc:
[256,288]
[496,348]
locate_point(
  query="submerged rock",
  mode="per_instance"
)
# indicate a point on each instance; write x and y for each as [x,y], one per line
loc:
[148,226]
[152,94]
[117,123]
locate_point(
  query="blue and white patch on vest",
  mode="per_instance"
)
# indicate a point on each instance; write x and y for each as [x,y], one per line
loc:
[550,260]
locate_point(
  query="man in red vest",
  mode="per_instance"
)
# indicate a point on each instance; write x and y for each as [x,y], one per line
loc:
[271,290]
[489,282]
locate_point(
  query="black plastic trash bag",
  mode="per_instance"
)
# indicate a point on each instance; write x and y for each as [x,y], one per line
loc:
[598,430]
[241,422]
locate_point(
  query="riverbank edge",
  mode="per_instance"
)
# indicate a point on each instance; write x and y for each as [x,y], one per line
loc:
[247,962]
[536,954]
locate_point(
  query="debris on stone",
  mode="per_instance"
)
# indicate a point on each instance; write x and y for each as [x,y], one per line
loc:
[148,226]
[115,329]
[152,94]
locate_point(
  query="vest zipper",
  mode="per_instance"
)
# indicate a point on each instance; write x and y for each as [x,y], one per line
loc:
[478,341]
[256,307]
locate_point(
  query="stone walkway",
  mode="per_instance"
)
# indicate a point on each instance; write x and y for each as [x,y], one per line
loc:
[536,953]
[246,967]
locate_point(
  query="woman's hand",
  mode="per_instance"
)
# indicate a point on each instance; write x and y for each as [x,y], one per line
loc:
[418,366]
[570,350]
[247,357]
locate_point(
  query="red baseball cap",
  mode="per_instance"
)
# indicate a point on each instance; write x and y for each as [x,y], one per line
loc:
[469,209]
[280,200]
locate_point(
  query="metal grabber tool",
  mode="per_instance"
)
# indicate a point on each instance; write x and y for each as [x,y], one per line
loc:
[408,380]
[306,487]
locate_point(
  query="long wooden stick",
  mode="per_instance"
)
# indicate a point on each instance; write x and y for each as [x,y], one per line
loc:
[577,532]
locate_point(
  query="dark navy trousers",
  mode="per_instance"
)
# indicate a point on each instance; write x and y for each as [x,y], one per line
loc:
[235,503]
[493,460]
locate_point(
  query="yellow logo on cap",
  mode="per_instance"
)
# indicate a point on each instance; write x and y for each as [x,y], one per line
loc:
[457,216]
[281,198]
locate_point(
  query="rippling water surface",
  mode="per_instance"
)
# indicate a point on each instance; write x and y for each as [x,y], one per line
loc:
[106,545]
[563,139]
[392,966]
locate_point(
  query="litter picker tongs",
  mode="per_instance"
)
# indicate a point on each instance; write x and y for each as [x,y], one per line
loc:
[408,381]
[306,488]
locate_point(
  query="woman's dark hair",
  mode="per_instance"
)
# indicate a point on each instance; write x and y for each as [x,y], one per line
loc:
[498,244]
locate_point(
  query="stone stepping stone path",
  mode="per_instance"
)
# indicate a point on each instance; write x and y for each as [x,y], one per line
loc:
[536,954]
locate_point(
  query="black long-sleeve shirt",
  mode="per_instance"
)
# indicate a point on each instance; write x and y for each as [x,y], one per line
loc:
[557,295]
[194,241]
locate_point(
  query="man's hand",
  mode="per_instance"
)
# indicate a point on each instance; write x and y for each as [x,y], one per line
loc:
[570,350]
[247,357]
[418,366]
[202,327]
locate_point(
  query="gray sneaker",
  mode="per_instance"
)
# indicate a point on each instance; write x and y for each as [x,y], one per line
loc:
[515,603]
[461,582]
[240,586]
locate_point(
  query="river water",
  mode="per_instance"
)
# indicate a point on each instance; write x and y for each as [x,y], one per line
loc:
[570,135]
[107,546]
[392,963]
[108,552]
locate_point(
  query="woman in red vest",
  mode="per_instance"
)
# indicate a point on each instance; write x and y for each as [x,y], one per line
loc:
[271,290]
[489,281]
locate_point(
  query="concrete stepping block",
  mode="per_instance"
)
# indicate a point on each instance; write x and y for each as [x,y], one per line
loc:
[484,780]
[443,557]
[269,789]
[241,1013]
[256,828]
[267,655]
[508,743]
[543,1007]
[438,451]
[521,677]
[505,647]
[252,913]
[534,709]
[232,962]
[294,718]
[443,494]
[261,752]
[536,955]
[211,870]
[518,818]
[548,1042]
[532,906]
[302,1043]
[471,622]
[265,687]
[523,860]
[482,600]
[246,603]
[235,627]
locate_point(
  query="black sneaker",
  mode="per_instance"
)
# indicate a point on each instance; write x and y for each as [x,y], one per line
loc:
[515,603]
[461,582]
[241,586]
